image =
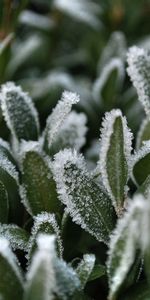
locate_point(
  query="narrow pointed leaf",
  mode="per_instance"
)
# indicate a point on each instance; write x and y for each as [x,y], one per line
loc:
[56,120]
[123,246]
[71,134]
[45,223]
[17,236]
[11,283]
[19,113]
[84,269]
[38,189]
[115,152]
[107,85]
[87,204]
[4,205]
[41,281]
[97,272]
[141,164]
[139,72]
[67,281]
[144,133]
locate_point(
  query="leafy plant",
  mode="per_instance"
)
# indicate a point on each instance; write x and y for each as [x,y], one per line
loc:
[74,204]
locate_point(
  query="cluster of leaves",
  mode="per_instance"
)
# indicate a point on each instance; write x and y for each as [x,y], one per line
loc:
[74,210]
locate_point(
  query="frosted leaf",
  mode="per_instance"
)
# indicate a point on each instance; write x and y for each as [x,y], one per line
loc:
[112,76]
[67,280]
[9,273]
[17,237]
[116,47]
[35,20]
[85,268]
[115,156]
[81,10]
[22,51]
[38,190]
[6,151]
[4,204]
[144,133]
[19,113]
[87,204]
[71,134]
[139,72]
[59,114]
[124,242]
[41,281]
[45,223]
[144,188]
[141,164]
[7,166]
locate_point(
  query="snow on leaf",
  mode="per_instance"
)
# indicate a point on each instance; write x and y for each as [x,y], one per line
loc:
[19,113]
[112,75]
[123,245]
[9,273]
[56,120]
[115,156]
[143,133]
[71,134]
[87,204]
[41,281]
[141,164]
[17,236]
[67,281]
[38,190]
[45,223]
[82,10]
[139,72]
[85,267]
[4,204]
[116,47]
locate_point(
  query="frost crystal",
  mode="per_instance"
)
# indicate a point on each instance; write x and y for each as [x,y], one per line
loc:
[139,72]
[82,10]
[59,114]
[115,63]
[72,133]
[6,252]
[124,243]
[45,222]
[7,166]
[19,112]
[41,272]
[106,132]
[85,268]
[17,237]
[85,201]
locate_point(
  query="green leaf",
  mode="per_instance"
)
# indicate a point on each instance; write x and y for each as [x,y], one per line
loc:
[11,283]
[19,113]
[140,291]
[115,153]
[139,72]
[144,188]
[55,121]
[4,205]
[84,269]
[85,201]
[9,177]
[108,84]
[144,133]
[41,281]
[71,134]
[123,246]
[17,237]
[38,190]
[45,223]
[97,272]
[141,164]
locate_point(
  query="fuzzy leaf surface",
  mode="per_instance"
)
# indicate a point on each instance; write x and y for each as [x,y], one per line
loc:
[17,236]
[85,201]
